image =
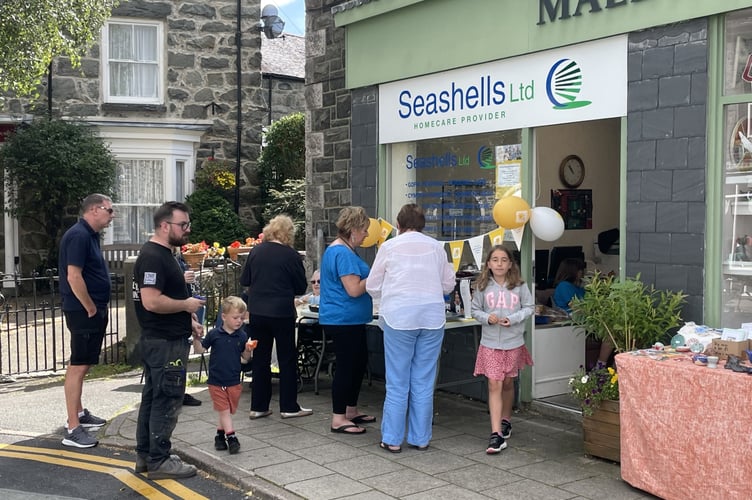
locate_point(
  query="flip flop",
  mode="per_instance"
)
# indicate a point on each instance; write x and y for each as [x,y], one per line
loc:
[342,429]
[390,448]
[363,419]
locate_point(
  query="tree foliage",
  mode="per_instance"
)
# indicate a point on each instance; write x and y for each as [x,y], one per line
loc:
[52,165]
[32,32]
[283,156]
[290,200]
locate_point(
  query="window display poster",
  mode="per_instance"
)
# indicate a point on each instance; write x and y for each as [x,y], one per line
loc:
[508,169]
[575,207]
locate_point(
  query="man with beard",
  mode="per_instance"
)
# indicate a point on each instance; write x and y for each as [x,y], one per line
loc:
[165,311]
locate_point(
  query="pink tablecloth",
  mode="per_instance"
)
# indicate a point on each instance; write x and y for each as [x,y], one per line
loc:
[686,430]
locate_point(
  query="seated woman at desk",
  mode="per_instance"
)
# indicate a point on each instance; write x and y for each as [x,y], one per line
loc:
[743,249]
[568,283]
[314,297]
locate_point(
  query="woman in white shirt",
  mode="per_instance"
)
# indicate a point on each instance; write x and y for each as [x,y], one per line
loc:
[411,275]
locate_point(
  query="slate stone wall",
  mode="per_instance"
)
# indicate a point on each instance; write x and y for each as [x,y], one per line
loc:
[666,159]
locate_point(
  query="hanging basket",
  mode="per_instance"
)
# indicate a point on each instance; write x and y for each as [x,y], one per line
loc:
[234,251]
[194,260]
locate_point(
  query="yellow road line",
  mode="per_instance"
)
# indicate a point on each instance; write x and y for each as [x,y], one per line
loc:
[131,480]
[93,462]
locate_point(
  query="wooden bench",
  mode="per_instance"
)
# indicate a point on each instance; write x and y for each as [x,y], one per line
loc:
[115,255]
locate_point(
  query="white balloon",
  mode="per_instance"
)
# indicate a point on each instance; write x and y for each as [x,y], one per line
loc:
[546,223]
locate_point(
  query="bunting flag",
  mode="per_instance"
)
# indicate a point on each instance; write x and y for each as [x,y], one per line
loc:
[455,250]
[387,231]
[496,236]
[476,246]
[517,235]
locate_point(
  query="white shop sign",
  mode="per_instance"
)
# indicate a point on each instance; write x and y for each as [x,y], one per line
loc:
[581,82]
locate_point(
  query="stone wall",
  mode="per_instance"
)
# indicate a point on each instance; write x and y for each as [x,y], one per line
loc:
[200,86]
[666,159]
[328,106]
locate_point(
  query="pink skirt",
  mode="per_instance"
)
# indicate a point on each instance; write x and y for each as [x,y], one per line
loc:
[498,364]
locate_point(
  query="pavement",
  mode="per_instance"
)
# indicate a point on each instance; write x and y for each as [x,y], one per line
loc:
[301,458]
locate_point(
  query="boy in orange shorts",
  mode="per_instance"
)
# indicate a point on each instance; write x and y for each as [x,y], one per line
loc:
[229,347]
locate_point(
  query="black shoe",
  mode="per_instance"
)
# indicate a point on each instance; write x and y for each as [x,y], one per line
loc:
[219,442]
[495,444]
[233,444]
[506,429]
[189,400]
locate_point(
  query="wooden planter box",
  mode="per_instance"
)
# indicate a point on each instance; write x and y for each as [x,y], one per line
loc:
[601,432]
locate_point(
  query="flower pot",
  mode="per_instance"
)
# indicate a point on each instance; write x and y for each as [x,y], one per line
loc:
[234,251]
[194,260]
[601,431]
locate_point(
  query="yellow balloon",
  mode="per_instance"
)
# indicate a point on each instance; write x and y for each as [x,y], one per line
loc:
[374,231]
[511,212]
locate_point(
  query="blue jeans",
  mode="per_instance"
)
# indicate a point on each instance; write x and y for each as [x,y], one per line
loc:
[411,359]
[162,397]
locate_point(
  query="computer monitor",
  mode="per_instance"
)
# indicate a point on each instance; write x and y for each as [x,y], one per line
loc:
[558,254]
[541,268]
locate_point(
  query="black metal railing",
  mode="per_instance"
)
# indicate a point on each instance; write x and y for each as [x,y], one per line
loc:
[33,334]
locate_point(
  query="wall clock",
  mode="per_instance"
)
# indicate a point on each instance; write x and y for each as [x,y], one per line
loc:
[572,171]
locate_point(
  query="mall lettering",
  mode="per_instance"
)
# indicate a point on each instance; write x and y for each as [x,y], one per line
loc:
[560,9]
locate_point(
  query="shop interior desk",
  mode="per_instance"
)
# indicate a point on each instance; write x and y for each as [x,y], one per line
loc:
[686,430]
[461,339]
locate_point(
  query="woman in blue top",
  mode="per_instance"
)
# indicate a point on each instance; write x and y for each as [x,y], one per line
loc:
[344,310]
[569,283]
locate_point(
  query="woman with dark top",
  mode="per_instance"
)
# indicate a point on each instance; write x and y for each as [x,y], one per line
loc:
[344,310]
[274,275]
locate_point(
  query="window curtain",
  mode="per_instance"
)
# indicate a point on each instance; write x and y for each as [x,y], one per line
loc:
[140,190]
[133,60]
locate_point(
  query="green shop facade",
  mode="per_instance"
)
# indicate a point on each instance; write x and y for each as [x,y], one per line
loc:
[628,115]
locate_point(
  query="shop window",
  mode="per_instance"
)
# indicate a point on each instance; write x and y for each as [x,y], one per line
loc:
[456,180]
[737,168]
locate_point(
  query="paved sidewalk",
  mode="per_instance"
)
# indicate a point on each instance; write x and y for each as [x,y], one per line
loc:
[301,458]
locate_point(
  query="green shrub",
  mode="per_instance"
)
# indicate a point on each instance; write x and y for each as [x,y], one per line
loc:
[213,219]
[53,165]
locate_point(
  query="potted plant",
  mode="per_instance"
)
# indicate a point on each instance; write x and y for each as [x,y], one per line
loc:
[630,315]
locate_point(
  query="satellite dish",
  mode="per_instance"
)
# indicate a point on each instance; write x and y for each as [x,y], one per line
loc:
[273,26]
[269,11]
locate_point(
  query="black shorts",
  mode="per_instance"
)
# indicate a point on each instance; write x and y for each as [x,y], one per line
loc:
[87,335]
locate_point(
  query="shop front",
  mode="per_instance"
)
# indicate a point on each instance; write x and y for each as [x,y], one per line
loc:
[627,117]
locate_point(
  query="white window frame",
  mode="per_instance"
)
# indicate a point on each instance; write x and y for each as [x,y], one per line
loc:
[105,63]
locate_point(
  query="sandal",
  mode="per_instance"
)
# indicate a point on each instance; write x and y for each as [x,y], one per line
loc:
[390,448]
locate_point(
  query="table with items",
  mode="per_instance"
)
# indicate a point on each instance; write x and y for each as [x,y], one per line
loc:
[456,361]
[686,429]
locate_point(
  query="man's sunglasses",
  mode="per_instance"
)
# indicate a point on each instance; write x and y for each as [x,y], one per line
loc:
[108,210]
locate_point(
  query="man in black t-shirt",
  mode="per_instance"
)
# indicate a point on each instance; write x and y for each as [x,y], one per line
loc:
[166,313]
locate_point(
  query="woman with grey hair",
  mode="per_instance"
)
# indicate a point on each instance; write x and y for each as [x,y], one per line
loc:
[274,275]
